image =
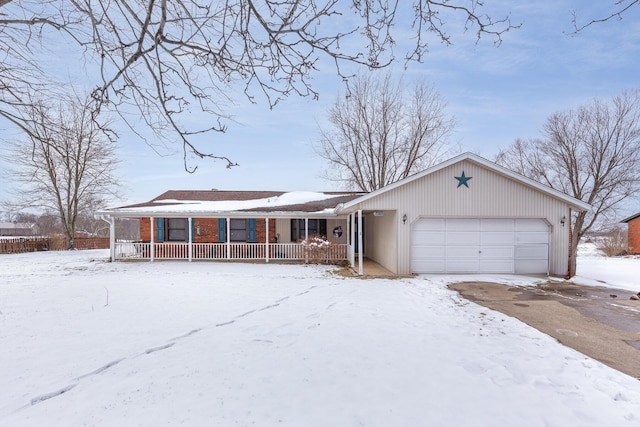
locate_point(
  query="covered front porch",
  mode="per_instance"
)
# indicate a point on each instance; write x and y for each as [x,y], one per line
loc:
[228,251]
[245,226]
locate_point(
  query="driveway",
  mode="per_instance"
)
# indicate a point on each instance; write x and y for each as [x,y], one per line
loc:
[602,323]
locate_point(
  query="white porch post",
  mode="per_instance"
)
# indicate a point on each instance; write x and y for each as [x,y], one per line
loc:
[306,239]
[228,221]
[112,239]
[190,225]
[266,245]
[360,247]
[152,250]
[352,233]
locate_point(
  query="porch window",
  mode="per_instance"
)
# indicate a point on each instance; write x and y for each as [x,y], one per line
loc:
[238,230]
[316,226]
[176,229]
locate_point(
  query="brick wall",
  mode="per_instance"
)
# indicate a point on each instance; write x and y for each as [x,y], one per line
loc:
[206,230]
[634,235]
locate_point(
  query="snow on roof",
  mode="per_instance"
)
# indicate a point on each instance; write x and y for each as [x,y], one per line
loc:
[209,202]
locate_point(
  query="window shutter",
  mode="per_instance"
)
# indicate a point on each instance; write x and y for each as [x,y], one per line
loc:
[159,229]
[193,230]
[252,230]
[222,230]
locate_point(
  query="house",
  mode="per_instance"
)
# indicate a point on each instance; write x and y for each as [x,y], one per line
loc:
[633,233]
[15,229]
[465,215]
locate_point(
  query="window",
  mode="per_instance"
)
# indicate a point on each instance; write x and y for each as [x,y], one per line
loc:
[316,226]
[238,230]
[176,229]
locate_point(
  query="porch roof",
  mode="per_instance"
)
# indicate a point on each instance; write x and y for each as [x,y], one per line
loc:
[217,203]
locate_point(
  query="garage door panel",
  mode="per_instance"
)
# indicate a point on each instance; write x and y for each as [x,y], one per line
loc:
[464,252]
[431,266]
[455,245]
[531,266]
[429,252]
[531,252]
[430,237]
[488,252]
[462,266]
[524,238]
[463,238]
[497,238]
[496,266]
[462,224]
[500,224]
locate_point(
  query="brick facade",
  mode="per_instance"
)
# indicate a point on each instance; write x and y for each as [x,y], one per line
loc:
[634,235]
[206,230]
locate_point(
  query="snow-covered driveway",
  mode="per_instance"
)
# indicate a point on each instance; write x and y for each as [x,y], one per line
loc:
[93,343]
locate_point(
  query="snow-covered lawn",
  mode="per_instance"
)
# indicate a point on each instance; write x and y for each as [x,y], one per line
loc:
[86,342]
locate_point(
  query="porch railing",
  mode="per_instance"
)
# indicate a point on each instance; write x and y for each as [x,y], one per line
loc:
[225,251]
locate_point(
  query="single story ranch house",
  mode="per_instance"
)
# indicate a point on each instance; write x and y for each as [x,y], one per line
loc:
[465,215]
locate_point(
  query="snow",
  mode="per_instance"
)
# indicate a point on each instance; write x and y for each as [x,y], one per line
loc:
[87,342]
[195,206]
[597,270]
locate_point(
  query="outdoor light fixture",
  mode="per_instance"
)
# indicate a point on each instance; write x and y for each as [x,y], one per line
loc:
[404,218]
[563,220]
[378,213]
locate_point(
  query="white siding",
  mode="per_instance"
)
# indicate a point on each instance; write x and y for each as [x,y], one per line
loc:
[490,195]
[381,239]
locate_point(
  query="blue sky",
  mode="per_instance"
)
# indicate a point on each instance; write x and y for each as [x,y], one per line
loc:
[497,94]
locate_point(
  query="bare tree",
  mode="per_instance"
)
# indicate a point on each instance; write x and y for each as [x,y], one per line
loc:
[383,132]
[168,59]
[66,164]
[619,8]
[591,153]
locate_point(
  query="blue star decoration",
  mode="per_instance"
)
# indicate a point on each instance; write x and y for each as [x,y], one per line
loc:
[462,180]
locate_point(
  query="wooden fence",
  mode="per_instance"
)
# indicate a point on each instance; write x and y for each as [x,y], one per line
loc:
[14,245]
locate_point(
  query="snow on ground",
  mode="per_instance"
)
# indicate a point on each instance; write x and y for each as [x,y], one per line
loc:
[595,269]
[87,342]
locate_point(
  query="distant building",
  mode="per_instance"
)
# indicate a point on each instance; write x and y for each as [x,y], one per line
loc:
[15,229]
[633,223]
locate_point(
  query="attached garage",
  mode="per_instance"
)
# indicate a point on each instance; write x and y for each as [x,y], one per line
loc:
[484,245]
[465,215]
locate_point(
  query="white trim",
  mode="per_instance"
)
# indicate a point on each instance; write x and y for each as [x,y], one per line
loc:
[112,239]
[142,213]
[266,240]
[572,201]
[190,234]
[360,246]
[228,236]
[152,241]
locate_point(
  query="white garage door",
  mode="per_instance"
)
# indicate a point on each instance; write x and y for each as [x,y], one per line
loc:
[479,245]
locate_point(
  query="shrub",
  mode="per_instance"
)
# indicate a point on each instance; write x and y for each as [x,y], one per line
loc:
[316,249]
[613,243]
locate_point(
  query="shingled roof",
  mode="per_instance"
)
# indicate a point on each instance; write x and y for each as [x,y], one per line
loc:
[256,201]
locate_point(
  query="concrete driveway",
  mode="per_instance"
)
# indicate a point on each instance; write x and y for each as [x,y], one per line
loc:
[602,323]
